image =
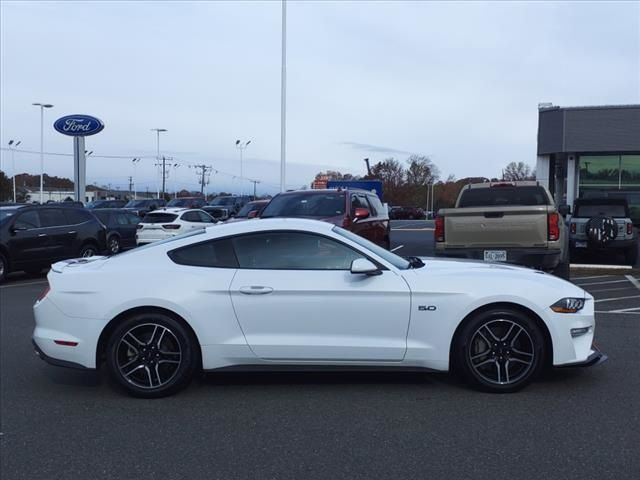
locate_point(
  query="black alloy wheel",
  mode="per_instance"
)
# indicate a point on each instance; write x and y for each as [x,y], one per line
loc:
[152,355]
[500,350]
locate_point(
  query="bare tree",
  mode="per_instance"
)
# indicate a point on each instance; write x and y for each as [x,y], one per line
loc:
[518,171]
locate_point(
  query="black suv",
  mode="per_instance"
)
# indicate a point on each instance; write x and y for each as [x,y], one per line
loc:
[187,202]
[227,206]
[144,206]
[106,204]
[34,237]
[121,228]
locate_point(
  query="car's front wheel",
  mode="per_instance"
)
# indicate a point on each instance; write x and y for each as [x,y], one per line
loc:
[500,350]
[4,267]
[152,355]
[88,250]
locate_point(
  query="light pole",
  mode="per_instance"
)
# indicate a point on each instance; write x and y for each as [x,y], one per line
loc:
[175,179]
[241,146]
[42,107]
[158,130]
[135,163]
[283,99]
[12,146]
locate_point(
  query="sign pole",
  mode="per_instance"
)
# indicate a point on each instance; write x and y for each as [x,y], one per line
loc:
[79,169]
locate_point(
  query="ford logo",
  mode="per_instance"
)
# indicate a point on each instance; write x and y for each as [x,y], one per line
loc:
[78,125]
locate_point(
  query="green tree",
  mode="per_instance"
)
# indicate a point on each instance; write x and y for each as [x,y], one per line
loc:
[6,188]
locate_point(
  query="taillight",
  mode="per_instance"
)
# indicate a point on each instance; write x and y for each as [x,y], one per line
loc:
[44,293]
[553,226]
[346,221]
[573,227]
[439,232]
[629,228]
[171,226]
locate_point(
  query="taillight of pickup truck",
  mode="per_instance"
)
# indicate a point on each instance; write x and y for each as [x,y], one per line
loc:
[553,226]
[439,231]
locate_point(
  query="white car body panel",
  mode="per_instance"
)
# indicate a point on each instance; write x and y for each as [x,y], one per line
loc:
[400,318]
[153,232]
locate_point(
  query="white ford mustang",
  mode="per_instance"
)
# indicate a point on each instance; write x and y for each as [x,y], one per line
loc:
[290,293]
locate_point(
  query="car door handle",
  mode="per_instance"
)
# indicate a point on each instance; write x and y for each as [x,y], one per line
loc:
[256,290]
[42,234]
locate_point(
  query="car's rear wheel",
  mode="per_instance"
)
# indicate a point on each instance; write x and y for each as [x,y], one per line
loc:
[152,355]
[500,350]
[114,245]
[88,250]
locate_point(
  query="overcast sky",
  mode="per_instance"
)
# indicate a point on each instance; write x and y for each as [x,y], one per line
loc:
[459,82]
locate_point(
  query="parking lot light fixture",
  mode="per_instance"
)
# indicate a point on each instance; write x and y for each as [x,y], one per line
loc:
[241,146]
[158,131]
[42,107]
[12,146]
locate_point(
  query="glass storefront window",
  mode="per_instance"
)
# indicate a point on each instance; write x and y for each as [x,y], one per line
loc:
[600,171]
[630,166]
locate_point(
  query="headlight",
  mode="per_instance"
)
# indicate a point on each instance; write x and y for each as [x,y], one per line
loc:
[568,305]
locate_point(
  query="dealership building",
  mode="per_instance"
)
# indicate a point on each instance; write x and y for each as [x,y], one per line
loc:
[589,152]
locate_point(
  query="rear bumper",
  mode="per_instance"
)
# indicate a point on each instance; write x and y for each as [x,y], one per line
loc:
[530,257]
[615,245]
[54,361]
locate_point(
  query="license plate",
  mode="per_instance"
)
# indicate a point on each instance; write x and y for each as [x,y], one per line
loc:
[581,244]
[495,255]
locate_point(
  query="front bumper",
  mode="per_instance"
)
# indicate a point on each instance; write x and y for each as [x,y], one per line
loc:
[595,358]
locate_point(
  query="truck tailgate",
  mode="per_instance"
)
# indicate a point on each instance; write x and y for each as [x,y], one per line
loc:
[509,226]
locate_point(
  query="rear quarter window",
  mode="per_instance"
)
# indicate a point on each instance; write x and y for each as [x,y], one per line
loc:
[212,254]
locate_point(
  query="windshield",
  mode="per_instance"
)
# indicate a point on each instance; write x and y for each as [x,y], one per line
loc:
[320,205]
[390,257]
[136,203]
[223,201]
[95,203]
[7,212]
[249,207]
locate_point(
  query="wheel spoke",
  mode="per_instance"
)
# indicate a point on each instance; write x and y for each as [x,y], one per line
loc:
[486,327]
[129,334]
[158,374]
[506,371]
[484,362]
[149,375]
[153,334]
[498,370]
[134,369]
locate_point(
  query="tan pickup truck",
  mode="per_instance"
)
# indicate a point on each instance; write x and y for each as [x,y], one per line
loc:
[514,222]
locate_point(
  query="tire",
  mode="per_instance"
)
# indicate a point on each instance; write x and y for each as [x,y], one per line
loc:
[113,245]
[152,355]
[4,268]
[631,255]
[88,250]
[509,337]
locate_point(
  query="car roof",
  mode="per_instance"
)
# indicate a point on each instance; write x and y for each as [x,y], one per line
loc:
[267,224]
[123,210]
[317,191]
[505,183]
[172,210]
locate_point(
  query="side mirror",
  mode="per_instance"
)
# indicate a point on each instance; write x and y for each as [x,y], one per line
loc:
[364,267]
[361,214]
[564,210]
[252,214]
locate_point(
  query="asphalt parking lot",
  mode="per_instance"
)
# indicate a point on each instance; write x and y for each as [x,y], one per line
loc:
[572,423]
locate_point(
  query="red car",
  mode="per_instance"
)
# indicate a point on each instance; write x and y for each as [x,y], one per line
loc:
[359,211]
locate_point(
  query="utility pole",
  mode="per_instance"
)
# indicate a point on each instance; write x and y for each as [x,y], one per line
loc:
[130,183]
[164,172]
[254,187]
[203,175]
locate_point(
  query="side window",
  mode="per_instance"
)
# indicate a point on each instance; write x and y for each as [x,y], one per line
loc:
[358,201]
[121,219]
[215,253]
[204,217]
[292,251]
[52,217]
[133,219]
[76,216]
[190,217]
[28,220]
[375,207]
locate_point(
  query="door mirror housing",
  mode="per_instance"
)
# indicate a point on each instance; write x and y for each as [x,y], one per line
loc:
[361,214]
[564,210]
[362,266]
[252,214]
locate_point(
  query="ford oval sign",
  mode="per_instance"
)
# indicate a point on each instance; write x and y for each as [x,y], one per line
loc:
[78,125]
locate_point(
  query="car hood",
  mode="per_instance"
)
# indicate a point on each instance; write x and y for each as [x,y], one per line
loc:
[493,276]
